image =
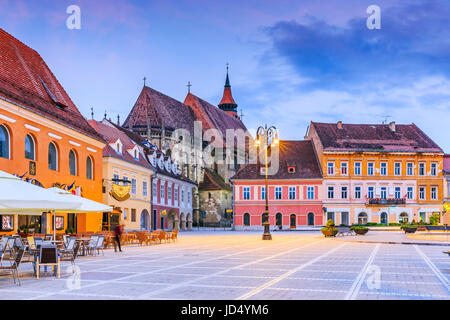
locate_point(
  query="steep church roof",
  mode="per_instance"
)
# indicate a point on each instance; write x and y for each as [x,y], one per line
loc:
[162,109]
[211,116]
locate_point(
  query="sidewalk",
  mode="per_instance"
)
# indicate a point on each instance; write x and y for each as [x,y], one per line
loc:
[390,238]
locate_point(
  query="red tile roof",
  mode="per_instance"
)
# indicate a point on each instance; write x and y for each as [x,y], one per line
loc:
[300,154]
[161,108]
[211,116]
[374,137]
[212,181]
[26,80]
[447,164]
[111,133]
[227,97]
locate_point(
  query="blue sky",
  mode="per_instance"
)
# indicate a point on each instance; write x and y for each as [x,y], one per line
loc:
[290,61]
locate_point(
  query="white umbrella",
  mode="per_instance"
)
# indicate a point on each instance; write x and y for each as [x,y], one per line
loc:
[17,196]
[86,205]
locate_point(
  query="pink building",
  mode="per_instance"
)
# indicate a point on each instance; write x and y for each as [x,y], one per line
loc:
[293,190]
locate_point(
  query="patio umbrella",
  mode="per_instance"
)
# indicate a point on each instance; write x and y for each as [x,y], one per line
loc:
[86,205]
[18,196]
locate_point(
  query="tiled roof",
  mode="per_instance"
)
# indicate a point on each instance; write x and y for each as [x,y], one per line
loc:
[161,108]
[26,80]
[447,164]
[374,137]
[213,181]
[299,154]
[111,133]
[211,116]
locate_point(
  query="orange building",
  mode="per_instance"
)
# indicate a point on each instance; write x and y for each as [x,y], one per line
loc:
[44,138]
[378,173]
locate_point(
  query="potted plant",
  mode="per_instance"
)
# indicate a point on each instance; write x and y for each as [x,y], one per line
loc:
[329,230]
[360,230]
[409,228]
[23,231]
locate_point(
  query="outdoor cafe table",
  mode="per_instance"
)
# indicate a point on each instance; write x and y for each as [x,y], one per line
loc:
[83,242]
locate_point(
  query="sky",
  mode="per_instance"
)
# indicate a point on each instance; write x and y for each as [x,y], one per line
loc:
[291,62]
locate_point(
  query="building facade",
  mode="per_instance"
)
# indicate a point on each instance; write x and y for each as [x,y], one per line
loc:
[293,191]
[173,194]
[156,117]
[378,173]
[43,137]
[125,164]
[446,182]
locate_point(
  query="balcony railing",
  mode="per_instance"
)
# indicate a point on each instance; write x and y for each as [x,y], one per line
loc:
[388,201]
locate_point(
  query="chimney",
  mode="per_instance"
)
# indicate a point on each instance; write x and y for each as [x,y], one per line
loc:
[339,125]
[392,126]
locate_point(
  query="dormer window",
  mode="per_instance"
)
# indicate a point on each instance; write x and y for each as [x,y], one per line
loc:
[291,169]
[117,146]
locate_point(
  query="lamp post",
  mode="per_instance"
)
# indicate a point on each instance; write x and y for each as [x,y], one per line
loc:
[266,137]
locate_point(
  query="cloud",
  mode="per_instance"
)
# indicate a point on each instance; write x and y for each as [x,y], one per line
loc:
[413,39]
[318,71]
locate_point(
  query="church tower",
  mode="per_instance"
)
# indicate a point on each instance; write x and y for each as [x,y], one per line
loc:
[227,103]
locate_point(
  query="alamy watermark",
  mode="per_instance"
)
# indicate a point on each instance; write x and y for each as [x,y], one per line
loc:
[210,147]
[374,20]
[73,22]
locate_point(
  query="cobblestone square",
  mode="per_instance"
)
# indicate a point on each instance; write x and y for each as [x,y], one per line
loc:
[239,265]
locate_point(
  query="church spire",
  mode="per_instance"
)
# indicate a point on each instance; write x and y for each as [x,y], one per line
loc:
[227,103]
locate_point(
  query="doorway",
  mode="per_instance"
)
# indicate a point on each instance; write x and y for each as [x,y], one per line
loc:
[362,218]
[310,219]
[384,218]
[293,220]
[279,220]
[144,219]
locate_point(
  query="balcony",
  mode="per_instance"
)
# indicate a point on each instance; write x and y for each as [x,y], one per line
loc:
[385,202]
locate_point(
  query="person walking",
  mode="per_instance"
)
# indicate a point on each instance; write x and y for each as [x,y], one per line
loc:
[117,234]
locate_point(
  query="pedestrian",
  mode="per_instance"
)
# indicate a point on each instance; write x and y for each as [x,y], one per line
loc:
[117,234]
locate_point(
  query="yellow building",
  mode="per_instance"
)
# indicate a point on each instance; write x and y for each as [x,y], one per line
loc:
[446,182]
[125,164]
[378,173]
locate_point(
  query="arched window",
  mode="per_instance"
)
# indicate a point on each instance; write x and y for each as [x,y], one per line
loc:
[52,157]
[29,147]
[362,218]
[89,168]
[279,219]
[246,219]
[73,163]
[264,218]
[403,217]
[4,142]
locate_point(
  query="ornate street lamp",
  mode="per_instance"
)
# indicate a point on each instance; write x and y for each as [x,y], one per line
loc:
[266,137]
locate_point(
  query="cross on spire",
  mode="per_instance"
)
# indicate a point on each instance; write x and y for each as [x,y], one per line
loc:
[92,113]
[189,85]
[241,115]
[145,78]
